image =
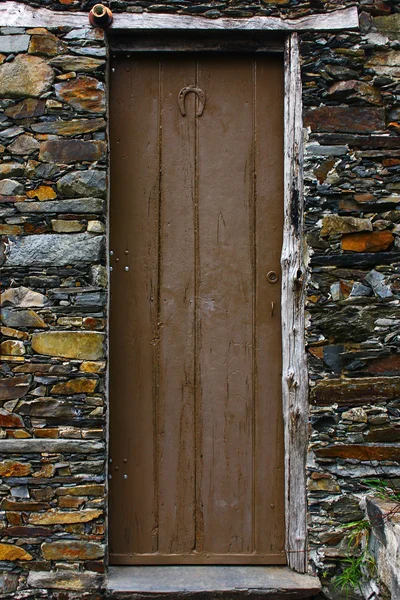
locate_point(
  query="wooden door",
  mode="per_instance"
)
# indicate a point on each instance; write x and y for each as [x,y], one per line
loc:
[196,446]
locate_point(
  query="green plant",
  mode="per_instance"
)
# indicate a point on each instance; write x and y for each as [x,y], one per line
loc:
[383,489]
[358,566]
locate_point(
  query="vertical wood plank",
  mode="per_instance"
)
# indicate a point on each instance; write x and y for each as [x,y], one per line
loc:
[133,314]
[268,444]
[225,308]
[176,393]
[294,375]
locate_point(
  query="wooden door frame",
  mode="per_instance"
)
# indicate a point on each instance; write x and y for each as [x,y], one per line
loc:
[294,270]
[293,261]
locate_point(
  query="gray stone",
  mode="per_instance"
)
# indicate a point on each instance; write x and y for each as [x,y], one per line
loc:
[22,297]
[65,580]
[359,290]
[26,446]
[14,43]
[9,187]
[76,63]
[11,169]
[75,206]
[377,281]
[26,76]
[12,388]
[11,132]
[21,318]
[317,150]
[39,170]
[48,407]
[8,582]
[98,276]
[209,582]
[55,249]
[83,183]
[23,145]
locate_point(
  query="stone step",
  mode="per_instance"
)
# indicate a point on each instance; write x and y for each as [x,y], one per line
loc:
[209,583]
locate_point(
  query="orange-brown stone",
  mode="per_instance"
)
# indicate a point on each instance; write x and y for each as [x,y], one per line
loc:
[60,517]
[75,386]
[9,419]
[72,550]
[43,192]
[360,452]
[27,109]
[13,468]
[10,552]
[375,241]
[83,94]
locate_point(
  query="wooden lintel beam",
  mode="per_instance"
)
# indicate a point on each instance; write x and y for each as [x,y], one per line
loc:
[15,14]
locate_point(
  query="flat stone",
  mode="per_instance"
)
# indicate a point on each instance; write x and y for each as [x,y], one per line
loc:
[25,76]
[79,184]
[21,318]
[9,187]
[26,109]
[385,63]
[55,249]
[9,419]
[65,580]
[383,434]
[389,364]
[375,241]
[13,468]
[69,344]
[11,229]
[7,504]
[77,63]
[12,388]
[355,415]
[334,224]
[389,25]
[26,531]
[45,45]
[49,407]
[359,290]
[81,490]
[11,169]
[208,582]
[11,44]
[79,385]
[365,390]
[22,297]
[355,89]
[74,206]
[73,127]
[68,151]
[11,132]
[377,281]
[11,552]
[84,94]
[337,119]
[12,348]
[366,452]
[72,550]
[67,226]
[24,145]
[318,150]
[62,517]
[43,192]
[10,446]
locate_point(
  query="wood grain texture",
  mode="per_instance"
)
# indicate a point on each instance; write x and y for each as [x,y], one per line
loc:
[134,331]
[294,374]
[195,325]
[14,14]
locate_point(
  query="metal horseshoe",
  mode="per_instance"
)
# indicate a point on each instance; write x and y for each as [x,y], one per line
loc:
[199,93]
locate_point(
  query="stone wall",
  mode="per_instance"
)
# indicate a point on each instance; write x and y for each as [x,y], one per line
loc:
[53,195]
[53,174]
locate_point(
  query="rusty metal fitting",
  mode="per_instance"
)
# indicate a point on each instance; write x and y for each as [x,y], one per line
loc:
[100,16]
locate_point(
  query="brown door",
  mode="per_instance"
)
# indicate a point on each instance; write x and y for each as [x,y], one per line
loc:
[196,227]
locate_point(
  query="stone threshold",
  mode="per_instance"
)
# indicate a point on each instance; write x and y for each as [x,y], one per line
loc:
[208,583]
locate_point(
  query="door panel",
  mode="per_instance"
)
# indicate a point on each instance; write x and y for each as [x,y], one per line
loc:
[195,337]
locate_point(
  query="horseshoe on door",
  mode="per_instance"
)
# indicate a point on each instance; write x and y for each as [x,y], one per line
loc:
[199,93]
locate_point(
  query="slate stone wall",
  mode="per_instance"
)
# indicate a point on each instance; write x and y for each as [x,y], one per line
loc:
[53,182]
